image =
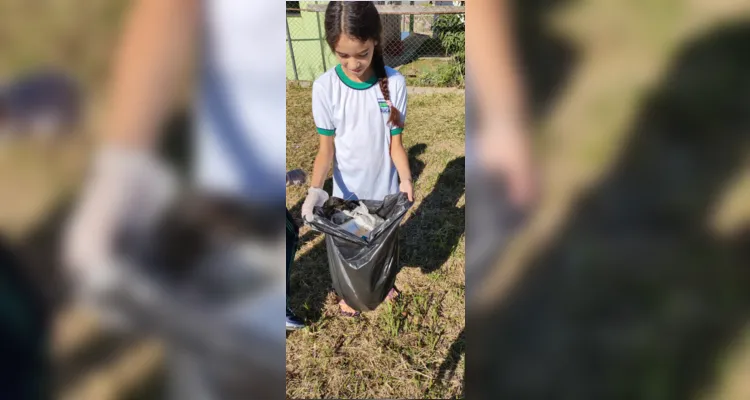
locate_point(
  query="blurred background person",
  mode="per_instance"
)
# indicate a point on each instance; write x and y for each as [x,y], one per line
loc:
[36,104]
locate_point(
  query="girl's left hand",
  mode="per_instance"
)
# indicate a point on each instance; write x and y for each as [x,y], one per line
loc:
[408,188]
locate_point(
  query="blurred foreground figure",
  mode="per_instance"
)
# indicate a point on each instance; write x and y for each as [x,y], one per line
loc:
[199,266]
[640,292]
[500,180]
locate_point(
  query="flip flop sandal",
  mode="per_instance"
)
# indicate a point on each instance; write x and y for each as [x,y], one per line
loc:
[392,294]
[348,313]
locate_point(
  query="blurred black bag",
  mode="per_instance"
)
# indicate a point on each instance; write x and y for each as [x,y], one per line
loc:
[364,270]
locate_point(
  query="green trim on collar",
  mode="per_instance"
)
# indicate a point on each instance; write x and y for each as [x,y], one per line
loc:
[355,85]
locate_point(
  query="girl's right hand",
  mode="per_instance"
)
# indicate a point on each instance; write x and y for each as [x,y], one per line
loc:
[316,197]
[124,195]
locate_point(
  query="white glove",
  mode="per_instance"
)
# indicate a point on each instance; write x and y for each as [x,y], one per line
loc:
[125,193]
[315,198]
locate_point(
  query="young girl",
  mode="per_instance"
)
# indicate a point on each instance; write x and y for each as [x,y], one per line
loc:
[359,108]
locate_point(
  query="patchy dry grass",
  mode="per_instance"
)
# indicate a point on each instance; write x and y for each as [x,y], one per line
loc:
[414,347]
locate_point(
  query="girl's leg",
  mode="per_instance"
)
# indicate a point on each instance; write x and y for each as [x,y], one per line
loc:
[292,237]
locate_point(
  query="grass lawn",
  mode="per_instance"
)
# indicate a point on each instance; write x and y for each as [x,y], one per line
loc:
[413,348]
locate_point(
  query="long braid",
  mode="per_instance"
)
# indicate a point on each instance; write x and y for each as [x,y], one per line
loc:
[379,67]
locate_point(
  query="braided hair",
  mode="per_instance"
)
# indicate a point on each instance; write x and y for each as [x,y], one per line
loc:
[361,20]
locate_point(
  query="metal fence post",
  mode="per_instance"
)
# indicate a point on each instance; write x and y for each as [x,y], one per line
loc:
[411,21]
[291,50]
[321,38]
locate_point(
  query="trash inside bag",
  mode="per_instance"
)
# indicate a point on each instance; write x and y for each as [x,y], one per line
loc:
[364,262]
[358,221]
[363,217]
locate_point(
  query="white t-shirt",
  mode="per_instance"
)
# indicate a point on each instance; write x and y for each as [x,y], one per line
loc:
[241,112]
[356,114]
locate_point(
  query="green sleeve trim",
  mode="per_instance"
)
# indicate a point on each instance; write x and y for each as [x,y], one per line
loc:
[326,132]
[397,131]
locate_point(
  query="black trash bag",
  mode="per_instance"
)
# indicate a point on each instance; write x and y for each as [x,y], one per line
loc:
[363,270]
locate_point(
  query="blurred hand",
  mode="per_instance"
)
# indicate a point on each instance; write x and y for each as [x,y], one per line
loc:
[315,198]
[123,196]
[408,188]
[504,150]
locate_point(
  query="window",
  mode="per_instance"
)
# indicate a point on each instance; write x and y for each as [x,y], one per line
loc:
[292,9]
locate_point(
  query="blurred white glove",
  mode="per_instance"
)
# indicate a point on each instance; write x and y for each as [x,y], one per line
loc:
[125,193]
[315,198]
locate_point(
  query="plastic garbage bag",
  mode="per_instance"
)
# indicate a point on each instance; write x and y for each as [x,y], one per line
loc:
[363,270]
[209,285]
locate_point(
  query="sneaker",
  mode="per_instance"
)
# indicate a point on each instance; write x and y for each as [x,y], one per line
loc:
[292,322]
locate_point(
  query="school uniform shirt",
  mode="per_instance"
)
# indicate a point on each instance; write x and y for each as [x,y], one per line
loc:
[240,149]
[356,115]
[240,140]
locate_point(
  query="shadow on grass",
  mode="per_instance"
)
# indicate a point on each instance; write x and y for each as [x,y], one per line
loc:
[546,59]
[430,236]
[635,297]
[448,367]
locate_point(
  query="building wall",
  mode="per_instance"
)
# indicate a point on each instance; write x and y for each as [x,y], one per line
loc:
[306,41]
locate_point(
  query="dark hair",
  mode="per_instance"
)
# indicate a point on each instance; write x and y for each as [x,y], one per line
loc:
[360,20]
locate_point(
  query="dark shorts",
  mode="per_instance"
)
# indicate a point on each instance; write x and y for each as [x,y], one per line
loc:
[292,238]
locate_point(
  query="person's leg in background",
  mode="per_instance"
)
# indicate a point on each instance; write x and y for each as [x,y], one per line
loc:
[292,237]
[24,333]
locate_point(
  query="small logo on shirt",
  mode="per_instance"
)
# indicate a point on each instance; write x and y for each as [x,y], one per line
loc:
[384,106]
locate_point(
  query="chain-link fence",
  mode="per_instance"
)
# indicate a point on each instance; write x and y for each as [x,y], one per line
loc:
[424,40]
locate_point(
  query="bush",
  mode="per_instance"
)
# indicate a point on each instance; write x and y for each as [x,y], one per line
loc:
[451,31]
[445,75]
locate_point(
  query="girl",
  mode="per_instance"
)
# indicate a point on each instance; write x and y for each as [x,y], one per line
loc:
[359,108]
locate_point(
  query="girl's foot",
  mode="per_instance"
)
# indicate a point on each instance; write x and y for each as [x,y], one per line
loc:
[392,294]
[346,310]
